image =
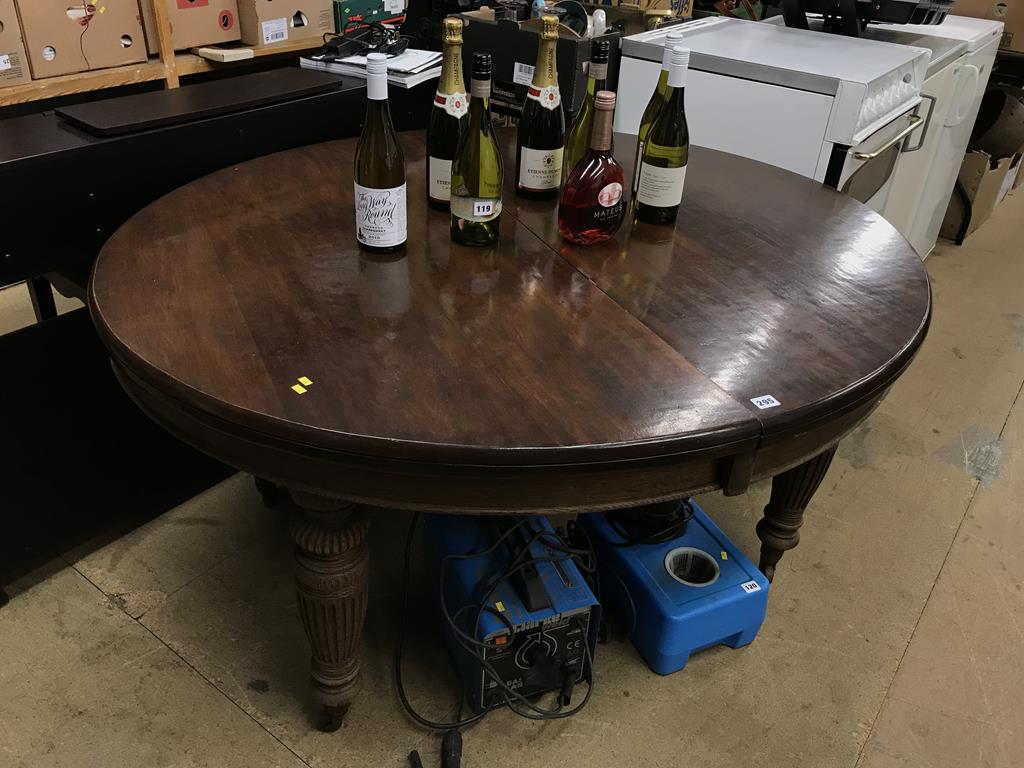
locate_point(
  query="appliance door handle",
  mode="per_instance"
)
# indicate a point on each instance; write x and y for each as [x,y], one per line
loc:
[914,122]
[974,76]
[927,123]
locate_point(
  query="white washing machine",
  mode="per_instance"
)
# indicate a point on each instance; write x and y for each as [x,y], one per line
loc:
[967,80]
[963,52]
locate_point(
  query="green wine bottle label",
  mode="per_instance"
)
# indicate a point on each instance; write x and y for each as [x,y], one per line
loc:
[540,169]
[548,96]
[661,187]
[476,208]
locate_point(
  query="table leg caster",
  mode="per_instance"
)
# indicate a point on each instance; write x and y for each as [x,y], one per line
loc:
[779,529]
[332,581]
[331,718]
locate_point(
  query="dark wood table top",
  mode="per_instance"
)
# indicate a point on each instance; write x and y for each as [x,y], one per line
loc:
[221,295]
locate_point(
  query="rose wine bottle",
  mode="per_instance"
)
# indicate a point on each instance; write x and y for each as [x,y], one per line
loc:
[541,132]
[666,151]
[447,117]
[590,209]
[477,173]
[379,173]
[577,142]
[656,103]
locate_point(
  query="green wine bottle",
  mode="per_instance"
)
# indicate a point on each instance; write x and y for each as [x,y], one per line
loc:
[577,142]
[447,117]
[666,151]
[379,174]
[541,133]
[477,173]
[656,103]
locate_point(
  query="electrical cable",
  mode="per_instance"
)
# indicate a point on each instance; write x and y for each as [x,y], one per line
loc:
[86,20]
[585,560]
[677,519]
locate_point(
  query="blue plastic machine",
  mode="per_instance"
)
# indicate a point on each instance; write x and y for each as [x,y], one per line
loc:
[538,625]
[684,595]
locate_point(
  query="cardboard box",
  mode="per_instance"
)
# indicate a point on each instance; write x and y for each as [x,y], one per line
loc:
[1010,12]
[986,182]
[513,47]
[193,23]
[13,63]
[67,36]
[265,22]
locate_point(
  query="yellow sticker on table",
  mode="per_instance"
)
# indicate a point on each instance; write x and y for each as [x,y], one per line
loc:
[305,381]
[500,606]
[299,389]
[725,555]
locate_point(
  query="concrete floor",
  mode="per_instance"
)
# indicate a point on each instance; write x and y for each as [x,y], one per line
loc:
[894,632]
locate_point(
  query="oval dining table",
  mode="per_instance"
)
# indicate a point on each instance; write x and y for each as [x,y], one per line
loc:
[530,377]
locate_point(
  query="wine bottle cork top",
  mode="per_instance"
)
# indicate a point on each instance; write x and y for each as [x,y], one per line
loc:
[452,33]
[376,64]
[604,100]
[680,56]
[549,30]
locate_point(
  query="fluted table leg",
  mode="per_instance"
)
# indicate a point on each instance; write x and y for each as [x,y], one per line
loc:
[779,529]
[332,580]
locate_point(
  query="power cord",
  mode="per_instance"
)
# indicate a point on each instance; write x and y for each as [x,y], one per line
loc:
[583,557]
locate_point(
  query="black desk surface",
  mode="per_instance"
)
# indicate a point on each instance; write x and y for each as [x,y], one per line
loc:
[157,109]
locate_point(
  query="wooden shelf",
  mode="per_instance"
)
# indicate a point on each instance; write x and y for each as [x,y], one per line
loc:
[81,82]
[169,66]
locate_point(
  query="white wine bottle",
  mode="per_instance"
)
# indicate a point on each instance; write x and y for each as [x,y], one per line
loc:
[657,102]
[577,141]
[477,172]
[379,173]
[541,133]
[447,117]
[666,151]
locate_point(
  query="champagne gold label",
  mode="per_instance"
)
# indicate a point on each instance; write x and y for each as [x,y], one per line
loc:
[546,72]
[549,96]
[451,70]
[452,31]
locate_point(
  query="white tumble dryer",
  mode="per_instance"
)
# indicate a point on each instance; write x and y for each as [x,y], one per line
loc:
[963,51]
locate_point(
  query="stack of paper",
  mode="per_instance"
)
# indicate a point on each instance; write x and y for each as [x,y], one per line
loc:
[409,68]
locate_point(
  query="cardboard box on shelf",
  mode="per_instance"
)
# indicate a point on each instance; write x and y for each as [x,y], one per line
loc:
[265,22]
[67,36]
[1010,12]
[193,23]
[13,63]
[986,183]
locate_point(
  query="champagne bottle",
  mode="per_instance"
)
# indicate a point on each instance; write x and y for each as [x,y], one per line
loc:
[663,163]
[447,117]
[379,174]
[657,101]
[577,142]
[477,173]
[541,133]
[590,209]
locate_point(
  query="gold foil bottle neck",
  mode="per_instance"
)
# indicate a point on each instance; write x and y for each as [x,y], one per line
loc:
[452,31]
[549,30]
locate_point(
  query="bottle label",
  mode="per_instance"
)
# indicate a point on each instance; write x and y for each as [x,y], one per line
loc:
[598,71]
[610,194]
[455,104]
[440,179]
[380,216]
[540,169]
[549,96]
[476,208]
[660,187]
